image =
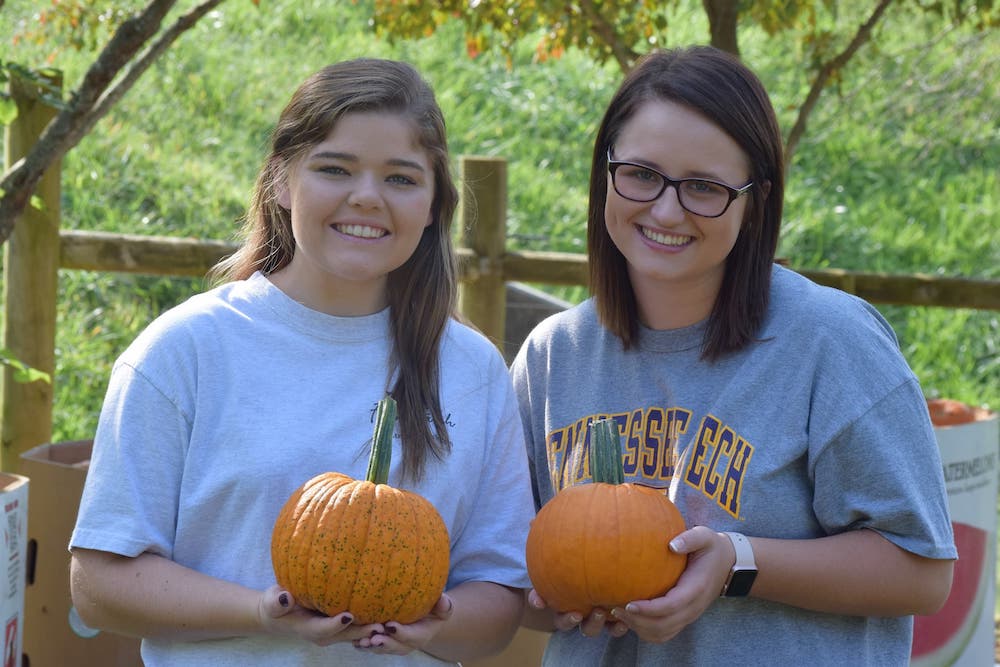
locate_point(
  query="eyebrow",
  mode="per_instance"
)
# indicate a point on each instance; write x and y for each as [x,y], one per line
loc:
[698,175]
[350,157]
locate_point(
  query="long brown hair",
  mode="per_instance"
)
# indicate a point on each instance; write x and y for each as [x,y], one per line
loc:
[719,87]
[422,292]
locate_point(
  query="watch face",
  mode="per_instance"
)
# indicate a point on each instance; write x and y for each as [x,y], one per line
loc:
[740,583]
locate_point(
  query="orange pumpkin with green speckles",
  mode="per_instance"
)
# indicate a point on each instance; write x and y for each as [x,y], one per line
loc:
[342,544]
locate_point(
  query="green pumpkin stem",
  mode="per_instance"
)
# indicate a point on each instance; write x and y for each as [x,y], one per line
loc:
[381,455]
[606,452]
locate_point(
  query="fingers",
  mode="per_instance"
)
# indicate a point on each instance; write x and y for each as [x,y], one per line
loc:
[594,623]
[567,621]
[381,642]
[398,639]
[280,615]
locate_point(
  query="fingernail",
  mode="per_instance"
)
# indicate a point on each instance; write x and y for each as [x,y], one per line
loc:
[346,619]
[614,612]
[391,629]
[630,608]
[575,618]
[283,599]
[676,544]
[451,605]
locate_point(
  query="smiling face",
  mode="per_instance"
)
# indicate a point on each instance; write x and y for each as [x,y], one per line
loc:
[359,201]
[676,259]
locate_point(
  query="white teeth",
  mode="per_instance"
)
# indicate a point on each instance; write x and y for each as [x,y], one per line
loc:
[362,231]
[664,239]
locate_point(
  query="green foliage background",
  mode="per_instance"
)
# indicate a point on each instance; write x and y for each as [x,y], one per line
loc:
[897,172]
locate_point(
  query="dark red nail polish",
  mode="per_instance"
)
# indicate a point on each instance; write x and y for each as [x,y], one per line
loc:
[346,619]
[391,629]
[283,599]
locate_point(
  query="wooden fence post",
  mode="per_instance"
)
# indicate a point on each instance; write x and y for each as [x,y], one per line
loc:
[483,216]
[31,269]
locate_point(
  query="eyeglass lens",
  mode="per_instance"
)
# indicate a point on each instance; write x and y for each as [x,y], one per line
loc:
[700,197]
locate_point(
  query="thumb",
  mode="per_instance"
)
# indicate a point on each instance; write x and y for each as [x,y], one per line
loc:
[275,602]
[690,540]
[443,607]
[535,600]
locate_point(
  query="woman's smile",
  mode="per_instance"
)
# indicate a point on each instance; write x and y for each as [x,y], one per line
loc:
[665,238]
[360,231]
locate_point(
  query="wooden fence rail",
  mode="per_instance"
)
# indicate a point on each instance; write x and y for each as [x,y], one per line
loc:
[171,256]
[37,248]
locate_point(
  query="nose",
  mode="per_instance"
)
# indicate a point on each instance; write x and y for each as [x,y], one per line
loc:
[667,207]
[365,192]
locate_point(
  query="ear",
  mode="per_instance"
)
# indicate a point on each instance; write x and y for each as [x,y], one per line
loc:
[282,195]
[765,189]
[279,177]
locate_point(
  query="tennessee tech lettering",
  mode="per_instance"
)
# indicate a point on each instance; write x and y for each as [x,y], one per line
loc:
[719,459]
[715,465]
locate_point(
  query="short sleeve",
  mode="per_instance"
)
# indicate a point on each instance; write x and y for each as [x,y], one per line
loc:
[883,472]
[129,502]
[491,546]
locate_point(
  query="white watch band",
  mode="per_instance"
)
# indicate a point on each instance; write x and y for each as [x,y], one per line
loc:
[745,563]
[744,552]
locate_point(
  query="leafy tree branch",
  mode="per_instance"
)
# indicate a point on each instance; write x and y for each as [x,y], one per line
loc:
[94,98]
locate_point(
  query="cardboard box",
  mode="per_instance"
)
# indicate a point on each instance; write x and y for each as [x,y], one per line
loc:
[14,495]
[525,650]
[56,472]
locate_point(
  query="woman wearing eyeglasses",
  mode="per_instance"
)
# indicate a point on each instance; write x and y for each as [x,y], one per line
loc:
[779,416]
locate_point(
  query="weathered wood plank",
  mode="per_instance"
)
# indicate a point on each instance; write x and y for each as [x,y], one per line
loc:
[483,219]
[133,253]
[31,270]
[96,251]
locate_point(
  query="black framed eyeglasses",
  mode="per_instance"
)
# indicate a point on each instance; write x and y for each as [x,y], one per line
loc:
[701,196]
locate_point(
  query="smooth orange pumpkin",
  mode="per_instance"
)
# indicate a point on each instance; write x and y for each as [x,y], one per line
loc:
[341,544]
[604,544]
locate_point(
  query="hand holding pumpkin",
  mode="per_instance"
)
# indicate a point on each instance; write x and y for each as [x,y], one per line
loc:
[709,557]
[280,615]
[402,639]
[590,626]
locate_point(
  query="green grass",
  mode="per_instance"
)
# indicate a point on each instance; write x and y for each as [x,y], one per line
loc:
[897,171]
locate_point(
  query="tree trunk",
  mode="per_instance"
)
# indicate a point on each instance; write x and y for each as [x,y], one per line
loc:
[723,16]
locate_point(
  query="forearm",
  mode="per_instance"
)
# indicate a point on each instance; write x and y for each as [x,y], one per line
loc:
[857,573]
[150,596]
[483,621]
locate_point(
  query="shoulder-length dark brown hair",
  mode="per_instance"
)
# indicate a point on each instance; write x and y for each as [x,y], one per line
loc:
[719,87]
[422,292]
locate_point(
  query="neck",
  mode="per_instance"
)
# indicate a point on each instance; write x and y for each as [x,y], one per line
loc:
[674,305]
[338,299]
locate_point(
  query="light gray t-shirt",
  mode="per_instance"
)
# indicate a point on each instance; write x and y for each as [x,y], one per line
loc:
[228,402]
[818,428]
